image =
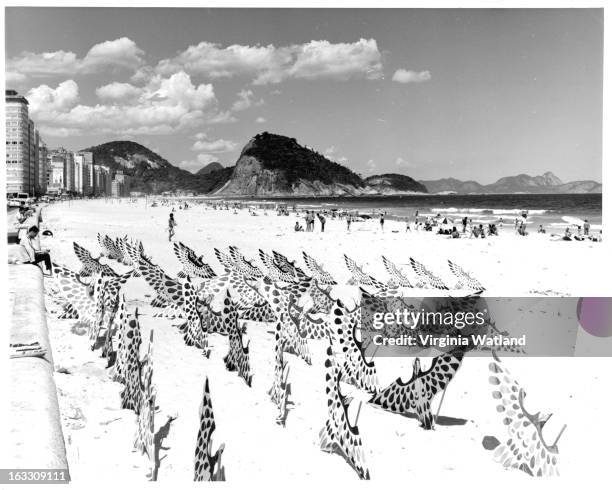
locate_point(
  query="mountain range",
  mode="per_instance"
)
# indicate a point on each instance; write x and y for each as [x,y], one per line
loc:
[547,183]
[276,165]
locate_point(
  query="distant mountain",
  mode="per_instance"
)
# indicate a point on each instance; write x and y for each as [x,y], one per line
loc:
[451,185]
[548,183]
[394,183]
[211,167]
[152,173]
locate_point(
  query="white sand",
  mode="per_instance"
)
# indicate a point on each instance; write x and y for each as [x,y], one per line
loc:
[99,435]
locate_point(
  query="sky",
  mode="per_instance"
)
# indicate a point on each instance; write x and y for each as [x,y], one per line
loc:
[463,93]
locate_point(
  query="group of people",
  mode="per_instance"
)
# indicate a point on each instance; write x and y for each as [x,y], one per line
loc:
[309,218]
[29,251]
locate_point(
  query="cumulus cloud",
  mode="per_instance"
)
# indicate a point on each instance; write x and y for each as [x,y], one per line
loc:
[409,76]
[261,120]
[163,106]
[47,99]
[213,146]
[400,162]
[118,91]
[329,152]
[245,100]
[271,64]
[122,52]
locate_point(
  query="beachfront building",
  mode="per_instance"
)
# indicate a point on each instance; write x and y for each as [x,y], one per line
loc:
[121,185]
[84,181]
[57,173]
[18,170]
[33,144]
[62,171]
[102,180]
[42,167]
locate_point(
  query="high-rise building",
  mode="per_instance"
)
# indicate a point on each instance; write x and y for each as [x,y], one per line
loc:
[18,176]
[42,166]
[103,181]
[33,158]
[58,165]
[84,181]
[121,184]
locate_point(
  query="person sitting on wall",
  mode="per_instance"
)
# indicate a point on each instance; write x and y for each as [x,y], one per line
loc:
[36,256]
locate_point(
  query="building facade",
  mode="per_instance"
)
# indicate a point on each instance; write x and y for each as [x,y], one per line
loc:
[42,166]
[121,185]
[18,168]
[57,172]
[84,181]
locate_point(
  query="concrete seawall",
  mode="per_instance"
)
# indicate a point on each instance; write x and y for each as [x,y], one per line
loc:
[35,440]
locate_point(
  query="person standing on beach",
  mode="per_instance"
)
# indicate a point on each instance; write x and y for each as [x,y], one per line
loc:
[322,220]
[587,227]
[348,222]
[171,225]
[382,222]
[464,221]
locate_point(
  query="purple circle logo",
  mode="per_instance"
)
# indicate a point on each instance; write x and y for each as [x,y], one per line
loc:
[595,316]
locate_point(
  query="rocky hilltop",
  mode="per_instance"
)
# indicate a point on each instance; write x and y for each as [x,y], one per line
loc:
[211,167]
[275,165]
[394,183]
[547,183]
[152,173]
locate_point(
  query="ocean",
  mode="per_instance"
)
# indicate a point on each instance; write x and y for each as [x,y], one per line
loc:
[550,210]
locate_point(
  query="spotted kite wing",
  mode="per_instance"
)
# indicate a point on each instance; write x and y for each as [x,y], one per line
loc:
[465,280]
[91,265]
[404,397]
[274,271]
[397,276]
[166,287]
[190,261]
[284,264]
[317,271]
[361,277]
[74,292]
[525,449]
[426,276]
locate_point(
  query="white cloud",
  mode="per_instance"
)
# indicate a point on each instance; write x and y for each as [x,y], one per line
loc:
[342,160]
[118,91]
[163,106]
[400,162]
[201,160]
[370,166]
[216,146]
[122,52]
[260,120]
[245,100]
[409,76]
[329,152]
[61,99]
[14,77]
[270,64]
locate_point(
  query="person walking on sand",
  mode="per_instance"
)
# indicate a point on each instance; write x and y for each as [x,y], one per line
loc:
[322,220]
[382,222]
[171,225]
[348,222]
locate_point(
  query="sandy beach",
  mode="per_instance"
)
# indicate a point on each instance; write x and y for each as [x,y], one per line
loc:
[99,435]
